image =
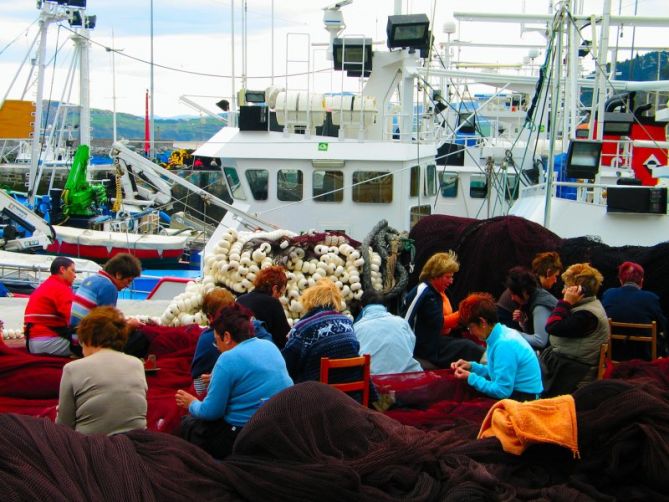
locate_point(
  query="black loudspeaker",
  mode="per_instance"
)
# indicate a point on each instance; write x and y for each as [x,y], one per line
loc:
[253,118]
[636,200]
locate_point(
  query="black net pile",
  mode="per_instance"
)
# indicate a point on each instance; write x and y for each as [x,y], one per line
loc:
[312,442]
[487,249]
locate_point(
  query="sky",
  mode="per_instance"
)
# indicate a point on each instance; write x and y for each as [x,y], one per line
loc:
[192,44]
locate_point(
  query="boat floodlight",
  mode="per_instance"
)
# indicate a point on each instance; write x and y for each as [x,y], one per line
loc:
[75,20]
[90,22]
[408,31]
[583,159]
[618,123]
[73,3]
[353,55]
[254,96]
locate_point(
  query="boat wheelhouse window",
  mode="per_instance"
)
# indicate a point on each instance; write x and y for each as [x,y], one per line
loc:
[416,213]
[289,185]
[414,182]
[431,180]
[449,185]
[258,182]
[328,186]
[234,185]
[372,186]
[478,188]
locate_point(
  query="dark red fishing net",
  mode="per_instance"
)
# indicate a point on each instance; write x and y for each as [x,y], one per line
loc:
[29,384]
[312,442]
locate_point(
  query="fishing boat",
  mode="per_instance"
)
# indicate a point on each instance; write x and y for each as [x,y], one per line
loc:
[301,159]
[163,251]
[126,214]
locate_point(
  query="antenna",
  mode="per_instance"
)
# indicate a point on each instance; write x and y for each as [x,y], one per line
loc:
[334,22]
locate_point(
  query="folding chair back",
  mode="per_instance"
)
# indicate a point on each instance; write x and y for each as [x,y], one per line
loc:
[362,385]
[634,332]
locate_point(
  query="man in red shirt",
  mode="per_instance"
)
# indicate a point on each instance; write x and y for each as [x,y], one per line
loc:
[47,313]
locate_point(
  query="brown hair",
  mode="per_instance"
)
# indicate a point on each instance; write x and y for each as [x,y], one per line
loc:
[439,264]
[324,293]
[545,264]
[236,320]
[104,327]
[123,264]
[269,277]
[477,306]
[583,274]
[215,300]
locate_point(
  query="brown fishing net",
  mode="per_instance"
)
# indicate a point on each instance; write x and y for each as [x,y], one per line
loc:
[313,443]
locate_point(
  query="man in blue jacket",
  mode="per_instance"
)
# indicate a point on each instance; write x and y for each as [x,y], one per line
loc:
[630,303]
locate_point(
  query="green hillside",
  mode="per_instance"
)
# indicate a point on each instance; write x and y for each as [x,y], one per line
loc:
[132,127]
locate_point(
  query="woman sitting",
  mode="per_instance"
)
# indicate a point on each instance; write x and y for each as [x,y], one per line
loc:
[247,373]
[263,301]
[577,328]
[105,392]
[323,331]
[512,370]
[429,313]
[206,351]
[536,304]
[546,267]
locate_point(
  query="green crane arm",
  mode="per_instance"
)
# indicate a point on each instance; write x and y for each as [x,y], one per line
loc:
[79,196]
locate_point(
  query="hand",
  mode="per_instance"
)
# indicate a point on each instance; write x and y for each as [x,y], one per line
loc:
[518,315]
[572,294]
[184,399]
[461,373]
[206,378]
[135,323]
[461,364]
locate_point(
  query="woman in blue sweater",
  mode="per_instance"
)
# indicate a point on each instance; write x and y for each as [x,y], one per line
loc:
[512,370]
[248,372]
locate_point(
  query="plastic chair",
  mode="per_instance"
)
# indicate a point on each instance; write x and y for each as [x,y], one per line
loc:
[363,362]
[650,337]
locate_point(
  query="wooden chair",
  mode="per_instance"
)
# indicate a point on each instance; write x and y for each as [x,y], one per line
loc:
[363,362]
[603,358]
[620,331]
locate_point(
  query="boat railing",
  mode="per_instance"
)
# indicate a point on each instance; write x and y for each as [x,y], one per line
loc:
[617,153]
[11,148]
[589,193]
[32,275]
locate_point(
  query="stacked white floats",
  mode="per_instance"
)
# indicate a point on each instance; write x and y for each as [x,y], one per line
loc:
[239,256]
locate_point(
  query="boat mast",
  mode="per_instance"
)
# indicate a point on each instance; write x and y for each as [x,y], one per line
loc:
[152,146]
[82,43]
[601,66]
[49,13]
[556,76]
[232,121]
